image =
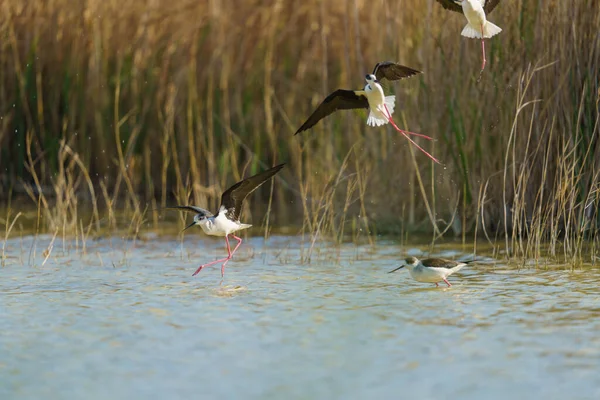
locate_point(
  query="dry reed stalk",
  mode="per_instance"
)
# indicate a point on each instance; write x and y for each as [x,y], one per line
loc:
[197,92]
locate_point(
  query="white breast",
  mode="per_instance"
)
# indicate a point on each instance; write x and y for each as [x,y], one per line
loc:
[221,225]
[375,95]
[431,275]
[474,12]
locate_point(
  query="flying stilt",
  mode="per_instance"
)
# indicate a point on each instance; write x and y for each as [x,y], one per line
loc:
[431,270]
[371,97]
[478,27]
[227,220]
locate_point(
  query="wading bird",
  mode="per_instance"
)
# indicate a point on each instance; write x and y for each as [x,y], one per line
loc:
[431,270]
[227,220]
[371,97]
[478,27]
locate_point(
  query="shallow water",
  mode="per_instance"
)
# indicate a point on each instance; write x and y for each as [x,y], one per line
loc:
[126,320]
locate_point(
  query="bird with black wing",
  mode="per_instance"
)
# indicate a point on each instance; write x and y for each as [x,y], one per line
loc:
[478,27]
[227,220]
[372,97]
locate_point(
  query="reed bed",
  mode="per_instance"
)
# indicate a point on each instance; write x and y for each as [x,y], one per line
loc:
[111,108]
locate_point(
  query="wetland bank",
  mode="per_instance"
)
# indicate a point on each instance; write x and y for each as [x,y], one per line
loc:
[110,111]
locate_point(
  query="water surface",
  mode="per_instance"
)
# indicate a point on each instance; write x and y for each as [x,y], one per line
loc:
[126,320]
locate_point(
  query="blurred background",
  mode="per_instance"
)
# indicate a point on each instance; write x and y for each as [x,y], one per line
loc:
[110,107]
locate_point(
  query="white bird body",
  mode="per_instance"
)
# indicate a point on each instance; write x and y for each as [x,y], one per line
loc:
[371,97]
[221,225]
[478,27]
[421,273]
[227,220]
[378,102]
[431,270]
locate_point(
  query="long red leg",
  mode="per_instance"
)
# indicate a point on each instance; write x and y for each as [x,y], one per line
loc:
[217,261]
[389,117]
[231,254]
[482,49]
[436,285]
[416,134]
[447,283]
[403,132]
[238,245]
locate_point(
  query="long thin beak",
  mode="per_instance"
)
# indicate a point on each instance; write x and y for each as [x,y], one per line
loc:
[189,226]
[394,270]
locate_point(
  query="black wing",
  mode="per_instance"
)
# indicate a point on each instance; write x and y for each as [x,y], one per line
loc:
[231,201]
[490,5]
[442,263]
[193,209]
[339,100]
[392,71]
[451,5]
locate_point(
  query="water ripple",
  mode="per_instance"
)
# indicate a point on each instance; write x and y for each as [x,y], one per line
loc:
[130,322]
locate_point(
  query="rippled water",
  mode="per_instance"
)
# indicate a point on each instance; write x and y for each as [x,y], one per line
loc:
[126,320]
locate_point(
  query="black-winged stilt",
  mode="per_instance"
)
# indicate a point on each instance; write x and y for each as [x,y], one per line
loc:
[478,27]
[431,270]
[227,220]
[371,97]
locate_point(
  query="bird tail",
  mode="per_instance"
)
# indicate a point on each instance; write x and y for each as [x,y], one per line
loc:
[489,30]
[377,117]
[390,102]
[471,32]
[458,267]
[375,120]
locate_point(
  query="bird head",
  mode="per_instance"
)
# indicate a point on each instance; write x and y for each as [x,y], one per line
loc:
[198,218]
[371,78]
[412,261]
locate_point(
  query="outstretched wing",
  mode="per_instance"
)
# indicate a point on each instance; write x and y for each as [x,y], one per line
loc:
[393,71]
[451,5]
[341,99]
[490,5]
[232,199]
[194,209]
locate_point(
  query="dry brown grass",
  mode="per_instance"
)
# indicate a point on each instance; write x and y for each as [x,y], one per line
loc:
[149,102]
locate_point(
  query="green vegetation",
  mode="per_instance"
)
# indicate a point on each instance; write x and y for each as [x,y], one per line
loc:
[111,107]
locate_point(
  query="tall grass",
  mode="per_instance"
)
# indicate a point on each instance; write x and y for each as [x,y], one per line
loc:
[138,104]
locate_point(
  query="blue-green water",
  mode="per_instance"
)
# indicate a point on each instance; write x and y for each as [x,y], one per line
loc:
[126,320]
